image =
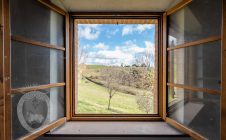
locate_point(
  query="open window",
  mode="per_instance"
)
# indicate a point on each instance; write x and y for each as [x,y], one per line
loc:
[194,67]
[165,66]
[35,48]
[116,67]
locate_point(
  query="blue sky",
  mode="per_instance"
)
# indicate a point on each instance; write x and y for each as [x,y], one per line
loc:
[114,44]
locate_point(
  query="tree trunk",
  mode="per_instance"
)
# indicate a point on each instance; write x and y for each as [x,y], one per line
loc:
[109,103]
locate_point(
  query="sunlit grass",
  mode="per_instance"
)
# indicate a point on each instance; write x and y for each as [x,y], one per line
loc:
[93,98]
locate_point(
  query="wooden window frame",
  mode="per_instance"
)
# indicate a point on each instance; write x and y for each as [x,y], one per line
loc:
[119,117]
[5,99]
[209,39]
[5,71]
[223,71]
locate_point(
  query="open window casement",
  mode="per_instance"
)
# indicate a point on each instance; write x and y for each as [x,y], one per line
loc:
[39,65]
[35,45]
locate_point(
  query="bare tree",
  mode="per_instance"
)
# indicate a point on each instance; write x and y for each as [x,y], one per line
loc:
[139,59]
[144,102]
[144,59]
[110,76]
[111,93]
[145,99]
[82,57]
[148,57]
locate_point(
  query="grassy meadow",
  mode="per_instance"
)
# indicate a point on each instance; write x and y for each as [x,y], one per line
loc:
[93,96]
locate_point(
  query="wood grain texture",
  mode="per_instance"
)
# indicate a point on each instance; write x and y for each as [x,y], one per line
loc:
[114,14]
[179,6]
[43,130]
[211,91]
[195,43]
[158,48]
[35,88]
[2,113]
[184,129]
[75,69]
[116,21]
[7,74]
[71,37]
[36,43]
[119,115]
[116,118]
[223,94]
[164,55]
[68,68]
[160,67]
[53,7]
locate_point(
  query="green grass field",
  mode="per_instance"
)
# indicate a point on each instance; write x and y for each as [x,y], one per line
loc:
[93,98]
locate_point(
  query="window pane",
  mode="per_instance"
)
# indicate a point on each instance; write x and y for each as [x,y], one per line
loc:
[195,21]
[33,110]
[198,66]
[196,110]
[33,65]
[32,20]
[117,69]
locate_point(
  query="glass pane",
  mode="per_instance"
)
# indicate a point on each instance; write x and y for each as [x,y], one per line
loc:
[200,19]
[196,110]
[198,66]
[117,69]
[33,110]
[32,20]
[33,66]
[57,28]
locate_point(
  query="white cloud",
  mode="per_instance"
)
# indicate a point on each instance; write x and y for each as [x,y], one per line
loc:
[110,57]
[143,27]
[129,29]
[101,46]
[89,31]
[120,54]
[124,53]
[131,47]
